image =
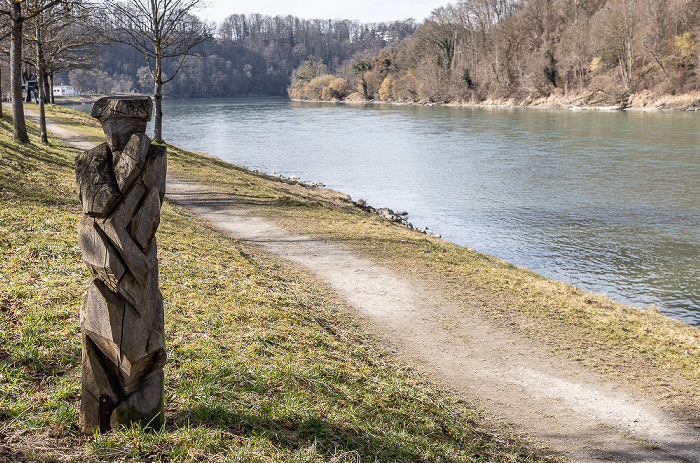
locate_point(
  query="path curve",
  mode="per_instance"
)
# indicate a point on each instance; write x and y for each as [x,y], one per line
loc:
[554,400]
[59,131]
[569,408]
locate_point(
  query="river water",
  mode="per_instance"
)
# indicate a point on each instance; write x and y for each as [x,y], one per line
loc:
[608,201]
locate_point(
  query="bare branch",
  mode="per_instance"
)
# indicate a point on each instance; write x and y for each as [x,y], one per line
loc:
[158,30]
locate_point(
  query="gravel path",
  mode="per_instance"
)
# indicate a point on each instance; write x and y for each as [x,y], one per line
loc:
[569,408]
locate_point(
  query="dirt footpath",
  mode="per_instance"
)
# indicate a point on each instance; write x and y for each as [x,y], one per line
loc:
[570,409]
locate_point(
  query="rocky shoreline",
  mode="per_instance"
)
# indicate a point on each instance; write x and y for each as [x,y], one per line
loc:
[400,217]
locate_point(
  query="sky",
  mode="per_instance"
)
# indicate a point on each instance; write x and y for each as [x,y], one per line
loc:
[361,10]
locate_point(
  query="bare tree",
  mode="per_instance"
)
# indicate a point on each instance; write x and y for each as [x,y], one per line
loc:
[69,41]
[58,40]
[159,30]
[618,28]
[575,50]
[4,34]
[19,11]
[40,75]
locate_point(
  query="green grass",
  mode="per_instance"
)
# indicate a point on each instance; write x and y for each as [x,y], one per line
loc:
[262,366]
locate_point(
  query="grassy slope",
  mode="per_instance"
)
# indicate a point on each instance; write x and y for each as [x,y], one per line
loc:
[262,366]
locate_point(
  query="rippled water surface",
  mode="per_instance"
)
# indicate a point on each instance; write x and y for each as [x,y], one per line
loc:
[607,201]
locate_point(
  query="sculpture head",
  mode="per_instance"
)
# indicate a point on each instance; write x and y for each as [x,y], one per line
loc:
[121,117]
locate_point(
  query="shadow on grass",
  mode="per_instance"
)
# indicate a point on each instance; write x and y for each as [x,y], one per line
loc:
[46,168]
[281,191]
[295,433]
[36,366]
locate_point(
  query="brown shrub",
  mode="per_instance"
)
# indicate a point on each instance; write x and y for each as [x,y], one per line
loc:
[324,88]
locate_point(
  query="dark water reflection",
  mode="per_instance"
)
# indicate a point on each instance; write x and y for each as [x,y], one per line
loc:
[607,201]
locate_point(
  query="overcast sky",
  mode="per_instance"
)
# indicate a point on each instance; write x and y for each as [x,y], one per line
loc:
[362,10]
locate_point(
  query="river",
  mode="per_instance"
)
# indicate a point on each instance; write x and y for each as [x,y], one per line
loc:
[607,201]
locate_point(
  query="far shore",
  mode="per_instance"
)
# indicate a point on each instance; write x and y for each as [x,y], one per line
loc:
[546,106]
[643,101]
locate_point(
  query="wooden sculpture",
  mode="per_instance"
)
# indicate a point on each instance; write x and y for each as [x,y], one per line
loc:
[121,184]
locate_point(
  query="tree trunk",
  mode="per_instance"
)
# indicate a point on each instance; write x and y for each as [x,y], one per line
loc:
[53,100]
[158,113]
[158,97]
[19,126]
[41,84]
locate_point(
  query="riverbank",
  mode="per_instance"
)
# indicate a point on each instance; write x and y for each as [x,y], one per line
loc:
[582,335]
[599,101]
[641,349]
[581,101]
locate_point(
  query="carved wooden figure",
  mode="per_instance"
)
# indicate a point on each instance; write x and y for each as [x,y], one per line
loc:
[121,184]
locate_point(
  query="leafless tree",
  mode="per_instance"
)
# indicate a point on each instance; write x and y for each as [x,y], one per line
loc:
[70,41]
[4,34]
[40,76]
[159,30]
[20,11]
[59,40]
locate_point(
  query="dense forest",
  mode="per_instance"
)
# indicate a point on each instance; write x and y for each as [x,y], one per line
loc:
[524,51]
[520,51]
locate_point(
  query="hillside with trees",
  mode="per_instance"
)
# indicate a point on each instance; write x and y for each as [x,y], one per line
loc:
[606,52]
[621,52]
[249,55]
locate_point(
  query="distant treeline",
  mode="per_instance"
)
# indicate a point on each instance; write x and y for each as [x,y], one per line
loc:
[578,51]
[250,54]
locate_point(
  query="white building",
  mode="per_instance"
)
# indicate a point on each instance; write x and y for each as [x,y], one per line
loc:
[59,90]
